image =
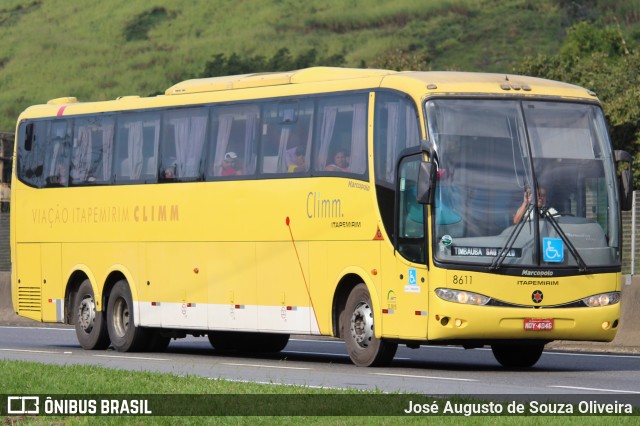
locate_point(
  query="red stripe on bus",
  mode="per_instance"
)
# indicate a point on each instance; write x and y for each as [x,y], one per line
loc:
[61,110]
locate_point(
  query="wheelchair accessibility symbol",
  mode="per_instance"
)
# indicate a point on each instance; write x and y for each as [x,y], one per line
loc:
[553,249]
[413,277]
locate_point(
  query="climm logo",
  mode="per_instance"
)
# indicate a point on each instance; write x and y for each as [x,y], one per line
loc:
[319,207]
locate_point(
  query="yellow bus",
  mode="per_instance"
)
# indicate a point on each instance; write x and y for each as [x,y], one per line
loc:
[376,206]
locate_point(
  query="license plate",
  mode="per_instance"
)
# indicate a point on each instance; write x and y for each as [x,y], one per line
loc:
[537,324]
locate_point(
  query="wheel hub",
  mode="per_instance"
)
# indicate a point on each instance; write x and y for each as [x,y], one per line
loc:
[121,317]
[87,314]
[362,325]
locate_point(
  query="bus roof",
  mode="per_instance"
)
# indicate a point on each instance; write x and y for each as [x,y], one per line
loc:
[419,84]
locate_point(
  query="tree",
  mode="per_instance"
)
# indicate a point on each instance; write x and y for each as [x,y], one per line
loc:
[599,59]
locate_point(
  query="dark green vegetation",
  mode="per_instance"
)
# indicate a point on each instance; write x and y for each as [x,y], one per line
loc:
[57,48]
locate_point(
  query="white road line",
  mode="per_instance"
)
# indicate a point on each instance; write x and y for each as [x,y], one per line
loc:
[630,356]
[30,351]
[37,328]
[264,366]
[595,389]
[425,377]
[313,353]
[132,357]
[327,353]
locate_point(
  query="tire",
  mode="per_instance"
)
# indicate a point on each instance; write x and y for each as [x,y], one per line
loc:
[270,342]
[365,350]
[517,356]
[91,327]
[224,341]
[156,341]
[125,336]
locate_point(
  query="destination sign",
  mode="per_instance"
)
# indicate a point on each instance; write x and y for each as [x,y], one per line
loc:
[484,251]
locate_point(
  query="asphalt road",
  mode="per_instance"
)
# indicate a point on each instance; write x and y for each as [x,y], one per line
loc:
[324,363]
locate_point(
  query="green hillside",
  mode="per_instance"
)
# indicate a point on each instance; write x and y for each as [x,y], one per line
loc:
[101,49]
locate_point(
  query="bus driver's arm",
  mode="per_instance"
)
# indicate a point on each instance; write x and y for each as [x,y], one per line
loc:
[523,207]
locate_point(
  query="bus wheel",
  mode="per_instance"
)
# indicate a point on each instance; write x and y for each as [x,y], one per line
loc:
[517,355]
[270,342]
[91,328]
[224,341]
[364,348]
[125,336]
[156,341]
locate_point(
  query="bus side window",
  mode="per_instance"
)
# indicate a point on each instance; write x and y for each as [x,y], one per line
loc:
[183,140]
[235,133]
[31,153]
[92,150]
[57,157]
[286,136]
[341,138]
[138,137]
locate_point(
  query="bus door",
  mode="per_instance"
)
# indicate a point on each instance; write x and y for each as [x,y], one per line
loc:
[406,295]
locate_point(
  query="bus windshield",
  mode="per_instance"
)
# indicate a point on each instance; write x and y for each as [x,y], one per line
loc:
[523,184]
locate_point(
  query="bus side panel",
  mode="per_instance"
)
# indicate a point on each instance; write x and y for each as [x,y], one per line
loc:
[175,285]
[52,288]
[28,300]
[283,295]
[231,281]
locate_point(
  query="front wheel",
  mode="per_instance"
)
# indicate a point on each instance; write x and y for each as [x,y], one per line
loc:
[517,356]
[365,350]
[91,328]
[125,336]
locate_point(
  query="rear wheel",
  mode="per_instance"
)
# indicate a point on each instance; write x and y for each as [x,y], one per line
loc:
[157,341]
[517,356]
[91,327]
[125,336]
[364,348]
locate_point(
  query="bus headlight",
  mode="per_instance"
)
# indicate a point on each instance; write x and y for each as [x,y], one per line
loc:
[459,296]
[604,299]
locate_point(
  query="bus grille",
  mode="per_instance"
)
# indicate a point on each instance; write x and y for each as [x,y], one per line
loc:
[29,299]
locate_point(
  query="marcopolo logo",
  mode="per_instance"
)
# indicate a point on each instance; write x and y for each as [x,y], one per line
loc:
[530,273]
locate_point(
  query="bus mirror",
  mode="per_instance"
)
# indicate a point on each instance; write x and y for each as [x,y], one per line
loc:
[426,176]
[625,182]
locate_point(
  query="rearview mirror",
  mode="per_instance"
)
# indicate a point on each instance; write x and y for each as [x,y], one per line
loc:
[426,177]
[625,180]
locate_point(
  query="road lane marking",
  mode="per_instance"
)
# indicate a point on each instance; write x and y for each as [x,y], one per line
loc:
[425,377]
[264,366]
[132,357]
[30,351]
[37,328]
[595,389]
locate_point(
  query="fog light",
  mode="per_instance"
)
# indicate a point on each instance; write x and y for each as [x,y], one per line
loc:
[458,323]
[605,325]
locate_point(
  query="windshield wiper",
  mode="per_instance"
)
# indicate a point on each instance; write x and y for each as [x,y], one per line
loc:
[582,266]
[511,240]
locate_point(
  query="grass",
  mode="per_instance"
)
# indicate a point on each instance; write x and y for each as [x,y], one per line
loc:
[57,48]
[86,382]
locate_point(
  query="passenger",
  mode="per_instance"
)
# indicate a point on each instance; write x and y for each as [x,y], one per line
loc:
[298,165]
[229,164]
[340,162]
[526,201]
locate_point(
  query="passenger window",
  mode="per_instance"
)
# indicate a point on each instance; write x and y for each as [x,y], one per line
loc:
[31,153]
[137,148]
[184,134]
[57,157]
[286,137]
[92,150]
[341,145]
[397,128]
[235,131]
